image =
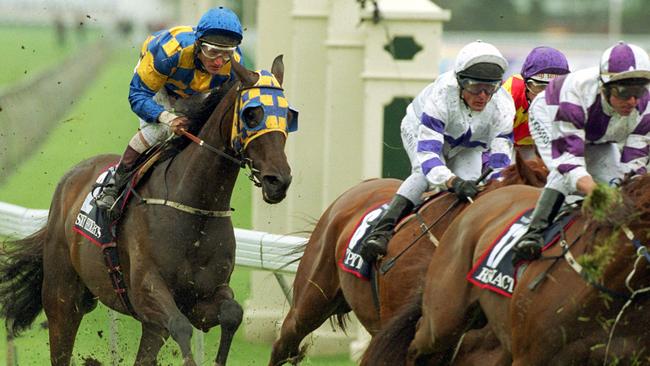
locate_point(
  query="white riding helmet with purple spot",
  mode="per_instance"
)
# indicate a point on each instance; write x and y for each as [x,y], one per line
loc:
[624,61]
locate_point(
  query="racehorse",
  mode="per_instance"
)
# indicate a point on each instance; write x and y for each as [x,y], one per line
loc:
[176,264]
[322,290]
[560,313]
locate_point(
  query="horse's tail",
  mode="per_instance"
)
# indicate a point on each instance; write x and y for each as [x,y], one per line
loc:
[21,281]
[390,346]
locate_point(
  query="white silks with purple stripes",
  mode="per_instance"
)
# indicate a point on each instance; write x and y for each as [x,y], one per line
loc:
[444,137]
[578,133]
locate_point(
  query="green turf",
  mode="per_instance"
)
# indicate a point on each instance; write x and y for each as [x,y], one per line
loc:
[102,122]
[30,50]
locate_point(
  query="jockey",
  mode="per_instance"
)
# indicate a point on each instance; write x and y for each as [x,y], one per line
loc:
[447,127]
[599,131]
[177,69]
[541,65]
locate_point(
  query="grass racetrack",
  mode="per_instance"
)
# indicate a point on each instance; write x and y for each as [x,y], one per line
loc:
[101,122]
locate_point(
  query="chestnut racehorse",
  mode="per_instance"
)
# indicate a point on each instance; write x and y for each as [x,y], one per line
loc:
[322,290]
[558,314]
[176,264]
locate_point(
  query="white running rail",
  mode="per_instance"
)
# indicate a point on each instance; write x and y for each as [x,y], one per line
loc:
[254,248]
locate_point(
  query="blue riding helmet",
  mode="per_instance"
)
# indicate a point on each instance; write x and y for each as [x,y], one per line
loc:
[220,21]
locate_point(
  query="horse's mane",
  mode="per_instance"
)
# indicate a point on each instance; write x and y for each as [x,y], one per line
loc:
[636,199]
[531,172]
[200,115]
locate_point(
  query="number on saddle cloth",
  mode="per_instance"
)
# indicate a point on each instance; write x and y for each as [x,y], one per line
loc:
[494,270]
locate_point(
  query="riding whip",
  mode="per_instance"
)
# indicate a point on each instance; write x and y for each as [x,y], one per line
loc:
[391,262]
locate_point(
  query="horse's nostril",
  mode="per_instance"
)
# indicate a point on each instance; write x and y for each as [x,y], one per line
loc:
[272,180]
[276,181]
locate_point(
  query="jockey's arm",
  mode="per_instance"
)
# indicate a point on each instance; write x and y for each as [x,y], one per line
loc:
[586,185]
[150,75]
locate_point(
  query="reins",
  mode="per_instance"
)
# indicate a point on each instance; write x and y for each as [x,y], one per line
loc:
[391,262]
[641,253]
[242,163]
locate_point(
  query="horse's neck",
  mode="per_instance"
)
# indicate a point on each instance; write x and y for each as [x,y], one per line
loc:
[200,178]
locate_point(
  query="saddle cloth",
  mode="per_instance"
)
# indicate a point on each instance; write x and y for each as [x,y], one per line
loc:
[494,270]
[351,260]
[95,224]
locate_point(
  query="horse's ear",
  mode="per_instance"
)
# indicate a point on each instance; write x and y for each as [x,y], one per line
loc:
[519,163]
[243,73]
[277,69]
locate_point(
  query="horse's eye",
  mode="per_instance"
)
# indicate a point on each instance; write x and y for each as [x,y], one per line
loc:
[253,116]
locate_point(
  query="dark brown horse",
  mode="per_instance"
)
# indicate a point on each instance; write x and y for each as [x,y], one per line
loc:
[569,318]
[177,265]
[322,290]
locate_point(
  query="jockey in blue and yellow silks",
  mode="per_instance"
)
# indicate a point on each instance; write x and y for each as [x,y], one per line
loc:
[177,70]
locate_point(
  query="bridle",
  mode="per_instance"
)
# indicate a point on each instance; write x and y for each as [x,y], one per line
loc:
[240,133]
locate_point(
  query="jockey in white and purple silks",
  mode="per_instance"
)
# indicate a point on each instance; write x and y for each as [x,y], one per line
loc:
[590,126]
[447,128]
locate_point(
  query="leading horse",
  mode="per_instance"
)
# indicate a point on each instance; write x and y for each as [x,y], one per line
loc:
[562,312]
[322,290]
[176,264]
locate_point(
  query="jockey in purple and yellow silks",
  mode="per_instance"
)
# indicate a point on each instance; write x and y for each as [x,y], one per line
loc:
[541,65]
[177,70]
[598,122]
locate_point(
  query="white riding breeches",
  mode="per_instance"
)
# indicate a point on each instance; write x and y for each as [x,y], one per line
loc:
[465,163]
[150,134]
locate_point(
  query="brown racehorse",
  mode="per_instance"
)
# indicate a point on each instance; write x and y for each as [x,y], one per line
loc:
[177,265]
[322,290]
[566,319]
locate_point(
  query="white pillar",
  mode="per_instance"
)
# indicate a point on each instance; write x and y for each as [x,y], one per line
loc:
[274,37]
[386,77]
[342,164]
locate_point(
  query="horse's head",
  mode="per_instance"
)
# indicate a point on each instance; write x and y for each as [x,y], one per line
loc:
[261,121]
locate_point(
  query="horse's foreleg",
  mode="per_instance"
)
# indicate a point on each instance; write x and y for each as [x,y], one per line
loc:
[230,317]
[152,339]
[153,301]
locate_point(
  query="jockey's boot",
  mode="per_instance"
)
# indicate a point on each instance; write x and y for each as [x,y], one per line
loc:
[376,242]
[529,247]
[106,199]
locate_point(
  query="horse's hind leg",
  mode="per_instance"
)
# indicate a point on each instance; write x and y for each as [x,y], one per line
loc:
[152,339]
[314,302]
[65,300]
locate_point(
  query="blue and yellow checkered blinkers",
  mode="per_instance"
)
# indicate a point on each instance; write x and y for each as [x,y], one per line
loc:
[268,94]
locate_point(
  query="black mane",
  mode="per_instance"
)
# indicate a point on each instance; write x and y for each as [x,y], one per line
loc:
[199,116]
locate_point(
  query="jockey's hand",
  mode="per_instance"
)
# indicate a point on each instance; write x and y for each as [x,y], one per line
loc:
[178,124]
[464,189]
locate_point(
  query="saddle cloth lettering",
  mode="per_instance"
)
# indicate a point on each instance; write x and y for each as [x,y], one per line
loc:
[95,224]
[351,260]
[494,270]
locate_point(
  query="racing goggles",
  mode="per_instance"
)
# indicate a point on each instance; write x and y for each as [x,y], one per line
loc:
[535,86]
[477,87]
[626,92]
[213,51]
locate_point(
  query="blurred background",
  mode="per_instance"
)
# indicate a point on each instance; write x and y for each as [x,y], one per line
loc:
[67,64]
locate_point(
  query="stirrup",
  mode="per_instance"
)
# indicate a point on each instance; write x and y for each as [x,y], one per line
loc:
[102,204]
